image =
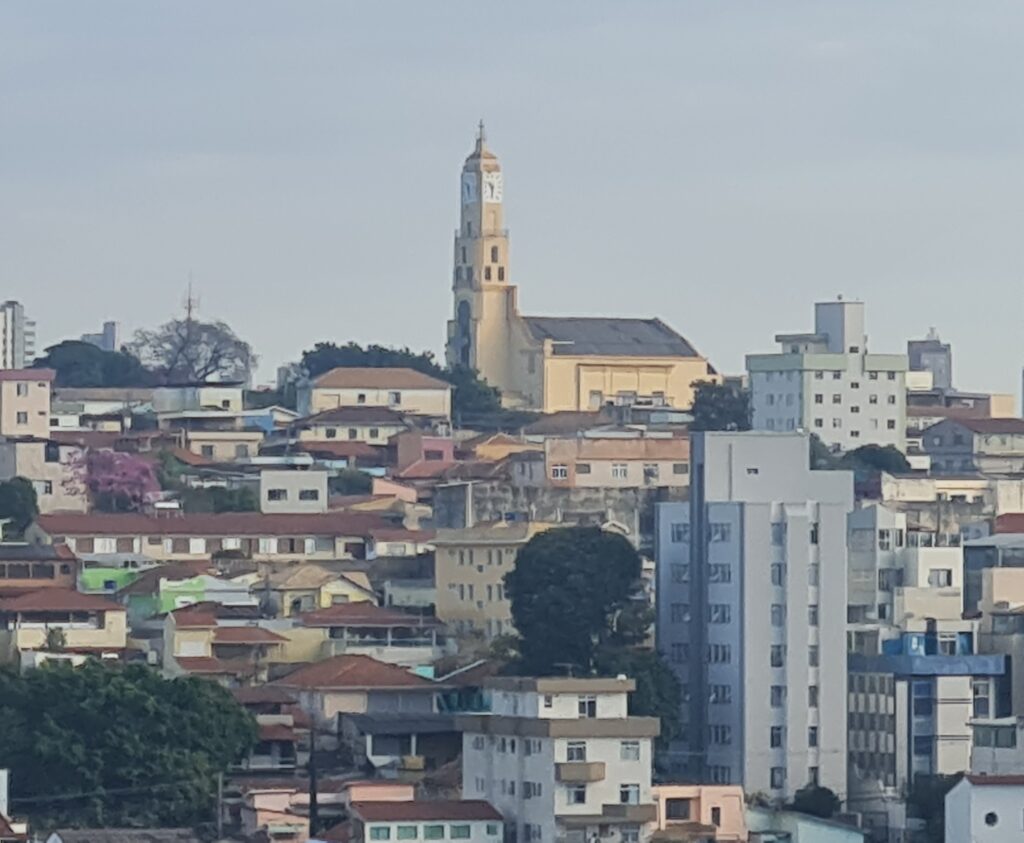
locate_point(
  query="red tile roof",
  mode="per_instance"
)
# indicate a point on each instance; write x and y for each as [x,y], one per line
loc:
[383,377]
[362,415]
[425,469]
[398,534]
[364,614]
[354,672]
[227,524]
[148,582]
[27,374]
[246,635]
[1010,522]
[1009,426]
[343,450]
[59,600]
[197,616]
[1011,781]
[464,809]
[276,732]
[213,666]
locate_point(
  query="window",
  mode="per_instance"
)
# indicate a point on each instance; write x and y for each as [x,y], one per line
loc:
[629,794]
[813,573]
[680,573]
[410,832]
[836,375]
[353,433]
[309,494]
[854,385]
[494,254]
[775,737]
[559,472]
[277,494]
[576,794]
[813,655]
[680,612]
[241,450]
[380,832]
[812,615]
[716,816]
[837,423]
[812,696]
[890,424]
[629,750]
[778,777]
[922,745]
[650,471]
[22,390]
[487,273]
[433,832]
[583,468]
[872,398]
[720,613]
[778,696]
[891,376]
[819,422]
[891,399]
[587,706]
[548,700]
[331,433]
[940,577]
[680,533]
[361,398]
[680,468]
[576,751]
[813,776]
[778,573]
[47,487]
[719,654]
[837,398]
[855,434]
[493,830]
[980,691]
[819,375]
[719,572]
[620,471]
[778,614]
[394,398]
[720,532]
[819,398]
[374,432]
[812,736]
[721,694]
[991,818]
[719,734]
[779,533]
[501,273]
[854,409]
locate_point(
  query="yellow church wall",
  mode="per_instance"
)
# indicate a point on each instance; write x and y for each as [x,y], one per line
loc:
[569,381]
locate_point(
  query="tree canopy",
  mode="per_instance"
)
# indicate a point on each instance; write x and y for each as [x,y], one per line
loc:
[817,801]
[140,750]
[190,351]
[18,506]
[116,481]
[81,364]
[719,406]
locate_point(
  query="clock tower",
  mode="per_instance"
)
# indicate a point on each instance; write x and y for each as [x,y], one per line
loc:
[479,334]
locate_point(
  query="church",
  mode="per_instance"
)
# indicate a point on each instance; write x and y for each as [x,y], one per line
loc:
[550,363]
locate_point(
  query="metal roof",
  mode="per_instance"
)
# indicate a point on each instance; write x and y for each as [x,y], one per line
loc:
[610,337]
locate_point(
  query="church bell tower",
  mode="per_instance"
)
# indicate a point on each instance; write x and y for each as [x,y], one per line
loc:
[484,300]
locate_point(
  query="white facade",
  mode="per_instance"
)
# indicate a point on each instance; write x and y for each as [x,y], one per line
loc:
[827,383]
[293,490]
[986,809]
[561,757]
[179,399]
[17,337]
[752,613]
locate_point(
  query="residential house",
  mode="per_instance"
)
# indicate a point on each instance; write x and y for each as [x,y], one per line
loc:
[401,743]
[1001,627]
[387,635]
[997,745]
[271,813]
[699,813]
[630,458]
[472,820]
[366,425]
[964,446]
[289,591]
[1001,551]
[470,565]
[398,541]
[31,567]
[561,759]
[828,383]
[25,402]
[404,390]
[284,729]
[985,809]
[354,684]
[209,419]
[56,471]
[293,490]
[164,588]
[767,825]
[179,537]
[226,643]
[55,619]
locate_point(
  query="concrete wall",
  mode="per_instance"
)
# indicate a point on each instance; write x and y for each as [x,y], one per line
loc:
[424,402]
[302,491]
[25,407]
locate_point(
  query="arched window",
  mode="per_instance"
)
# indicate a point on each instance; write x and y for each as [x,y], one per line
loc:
[494,254]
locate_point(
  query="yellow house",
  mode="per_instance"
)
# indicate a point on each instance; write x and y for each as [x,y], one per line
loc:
[305,588]
[37,620]
[402,390]
[551,363]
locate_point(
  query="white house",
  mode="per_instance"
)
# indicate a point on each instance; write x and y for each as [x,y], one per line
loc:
[986,809]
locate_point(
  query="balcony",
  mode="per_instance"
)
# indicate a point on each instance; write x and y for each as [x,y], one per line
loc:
[630,813]
[579,772]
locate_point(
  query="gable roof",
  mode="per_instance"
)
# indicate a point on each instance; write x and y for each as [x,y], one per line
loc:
[301,576]
[208,524]
[58,600]
[983,426]
[462,809]
[607,336]
[246,635]
[377,377]
[364,614]
[362,415]
[354,672]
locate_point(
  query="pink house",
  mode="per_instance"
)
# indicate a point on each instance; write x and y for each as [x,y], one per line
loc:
[695,813]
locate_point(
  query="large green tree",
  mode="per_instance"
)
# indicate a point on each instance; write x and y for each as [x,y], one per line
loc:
[190,351]
[81,364]
[113,745]
[18,506]
[817,801]
[720,406]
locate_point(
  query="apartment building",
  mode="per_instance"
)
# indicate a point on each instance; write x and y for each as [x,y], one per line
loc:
[603,460]
[751,608]
[828,383]
[402,390]
[18,333]
[53,468]
[966,446]
[25,402]
[561,759]
[472,820]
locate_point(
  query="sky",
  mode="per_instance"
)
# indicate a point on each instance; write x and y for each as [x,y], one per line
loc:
[720,165]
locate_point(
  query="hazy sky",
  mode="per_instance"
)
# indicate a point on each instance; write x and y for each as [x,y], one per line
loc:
[718,164]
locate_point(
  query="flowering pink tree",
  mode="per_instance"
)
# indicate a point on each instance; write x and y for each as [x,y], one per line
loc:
[116,482]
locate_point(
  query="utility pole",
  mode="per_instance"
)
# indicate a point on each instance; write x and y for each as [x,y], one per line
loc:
[220,806]
[314,808]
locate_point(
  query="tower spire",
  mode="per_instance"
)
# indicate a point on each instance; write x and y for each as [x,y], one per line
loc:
[481,135]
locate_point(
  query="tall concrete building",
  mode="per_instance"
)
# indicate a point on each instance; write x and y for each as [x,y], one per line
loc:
[17,337]
[543,362]
[827,382]
[932,355]
[751,613]
[108,339]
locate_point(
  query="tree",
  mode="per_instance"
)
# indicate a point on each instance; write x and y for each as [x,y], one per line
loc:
[219,499]
[18,506]
[116,481]
[568,588]
[817,801]
[658,692]
[927,801]
[875,459]
[81,364]
[189,351]
[821,458]
[141,750]
[720,406]
[351,481]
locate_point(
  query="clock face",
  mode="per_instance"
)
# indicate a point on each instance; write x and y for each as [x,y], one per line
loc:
[468,188]
[492,187]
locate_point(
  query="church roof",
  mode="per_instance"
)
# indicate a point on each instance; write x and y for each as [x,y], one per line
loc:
[611,337]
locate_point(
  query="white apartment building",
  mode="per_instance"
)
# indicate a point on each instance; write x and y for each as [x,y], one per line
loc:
[562,760]
[827,383]
[752,613]
[17,337]
[985,809]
